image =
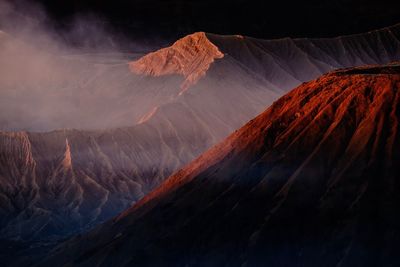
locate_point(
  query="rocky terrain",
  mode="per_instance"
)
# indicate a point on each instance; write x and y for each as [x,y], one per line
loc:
[312,181]
[176,102]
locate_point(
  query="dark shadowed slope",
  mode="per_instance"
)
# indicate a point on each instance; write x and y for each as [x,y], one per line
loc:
[312,181]
[179,101]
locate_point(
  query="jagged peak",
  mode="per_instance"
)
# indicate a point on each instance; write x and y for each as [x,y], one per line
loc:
[190,57]
[67,161]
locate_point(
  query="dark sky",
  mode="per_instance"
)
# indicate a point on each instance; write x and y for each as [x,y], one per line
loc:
[264,19]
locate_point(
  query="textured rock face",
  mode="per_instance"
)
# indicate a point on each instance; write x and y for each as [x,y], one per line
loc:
[312,181]
[190,57]
[63,182]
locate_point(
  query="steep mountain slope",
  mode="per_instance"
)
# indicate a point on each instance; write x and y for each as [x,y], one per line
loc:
[178,102]
[312,181]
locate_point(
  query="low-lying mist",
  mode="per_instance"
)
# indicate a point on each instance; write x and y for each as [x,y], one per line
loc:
[76,77]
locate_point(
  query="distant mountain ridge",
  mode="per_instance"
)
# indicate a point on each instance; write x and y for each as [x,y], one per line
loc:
[283,62]
[287,62]
[77,86]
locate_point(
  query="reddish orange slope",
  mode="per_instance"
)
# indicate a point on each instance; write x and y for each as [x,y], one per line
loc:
[348,100]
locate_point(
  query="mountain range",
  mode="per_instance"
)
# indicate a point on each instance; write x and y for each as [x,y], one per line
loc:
[139,118]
